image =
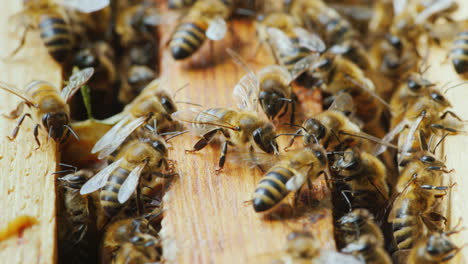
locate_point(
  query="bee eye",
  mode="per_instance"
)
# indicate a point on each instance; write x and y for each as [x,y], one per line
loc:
[168,104]
[395,41]
[320,156]
[159,146]
[414,86]
[437,97]
[427,159]
[45,119]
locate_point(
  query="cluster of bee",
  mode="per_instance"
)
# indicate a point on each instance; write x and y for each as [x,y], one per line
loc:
[115,204]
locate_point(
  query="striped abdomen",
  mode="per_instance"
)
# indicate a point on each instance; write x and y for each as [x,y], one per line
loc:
[178,4]
[459,54]
[406,227]
[108,195]
[56,35]
[291,58]
[187,38]
[338,30]
[271,189]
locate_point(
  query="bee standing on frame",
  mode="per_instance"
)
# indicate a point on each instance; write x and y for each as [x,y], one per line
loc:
[206,18]
[53,111]
[49,18]
[459,54]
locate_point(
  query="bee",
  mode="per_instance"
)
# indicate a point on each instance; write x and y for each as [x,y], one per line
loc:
[180,4]
[292,46]
[366,176]
[357,223]
[459,54]
[137,158]
[382,17]
[74,216]
[51,21]
[289,174]
[435,248]
[131,240]
[369,250]
[332,27]
[205,19]
[244,128]
[53,111]
[413,209]
[153,105]
[354,51]
[271,87]
[137,77]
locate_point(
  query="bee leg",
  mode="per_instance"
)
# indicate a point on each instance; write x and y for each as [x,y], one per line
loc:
[16,130]
[206,138]
[444,115]
[343,192]
[22,42]
[251,152]
[16,112]
[222,159]
[442,127]
[291,142]
[36,133]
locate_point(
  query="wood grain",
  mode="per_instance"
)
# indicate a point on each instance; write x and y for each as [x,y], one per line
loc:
[206,220]
[26,184]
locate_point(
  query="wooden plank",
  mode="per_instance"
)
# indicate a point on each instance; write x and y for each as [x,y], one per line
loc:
[26,184]
[206,220]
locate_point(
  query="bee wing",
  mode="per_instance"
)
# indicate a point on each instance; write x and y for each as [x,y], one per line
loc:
[389,137]
[296,182]
[433,8]
[117,138]
[217,29]
[309,40]
[411,136]
[303,65]
[109,136]
[130,184]
[11,89]
[280,40]
[369,87]
[99,180]
[189,115]
[343,103]
[75,82]
[86,6]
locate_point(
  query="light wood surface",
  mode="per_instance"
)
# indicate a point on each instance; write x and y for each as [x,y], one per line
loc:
[206,220]
[26,184]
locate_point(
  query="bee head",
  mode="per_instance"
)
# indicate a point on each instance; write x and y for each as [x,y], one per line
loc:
[271,102]
[320,154]
[395,42]
[56,124]
[348,161]
[167,103]
[265,138]
[439,98]
[74,180]
[354,219]
[315,129]
[159,147]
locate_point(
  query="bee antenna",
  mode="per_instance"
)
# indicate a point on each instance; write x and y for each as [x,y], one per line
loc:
[438,143]
[177,134]
[180,89]
[288,134]
[189,103]
[455,86]
[72,131]
[274,148]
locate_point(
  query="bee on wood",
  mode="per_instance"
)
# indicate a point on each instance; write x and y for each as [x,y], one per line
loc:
[289,174]
[292,46]
[205,19]
[131,240]
[53,111]
[153,100]
[369,250]
[366,176]
[459,54]
[137,158]
[243,128]
[435,248]
[357,223]
[180,4]
[51,21]
[332,27]
[271,86]
[412,210]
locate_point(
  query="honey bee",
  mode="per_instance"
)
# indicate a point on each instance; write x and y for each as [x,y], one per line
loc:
[52,109]
[459,54]
[136,78]
[436,248]
[51,21]
[354,51]
[357,223]
[413,208]
[153,100]
[289,174]
[366,176]
[205,19]
[244,128]
[145,155]
[74,216]
[382,17]
[292,46]
[369,250]
[131,240]
[332,27]
[179,4]
[271,87]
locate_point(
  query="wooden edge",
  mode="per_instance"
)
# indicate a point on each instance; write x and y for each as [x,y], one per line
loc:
[27,186]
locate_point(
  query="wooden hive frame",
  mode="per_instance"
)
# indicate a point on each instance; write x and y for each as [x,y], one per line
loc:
[206,221]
